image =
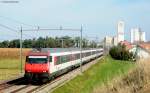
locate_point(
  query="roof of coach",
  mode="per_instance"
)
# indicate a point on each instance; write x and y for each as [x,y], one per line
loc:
[58,50]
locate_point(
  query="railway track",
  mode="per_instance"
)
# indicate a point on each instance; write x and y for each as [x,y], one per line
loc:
[10,83]
[21,86]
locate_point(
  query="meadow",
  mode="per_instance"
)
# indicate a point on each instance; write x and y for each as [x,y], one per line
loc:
[101,73]
[136,81]
[10,62]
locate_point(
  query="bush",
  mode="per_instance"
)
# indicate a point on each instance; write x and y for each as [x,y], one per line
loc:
[120,53]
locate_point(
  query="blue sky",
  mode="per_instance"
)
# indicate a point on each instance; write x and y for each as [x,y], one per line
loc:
[98,17]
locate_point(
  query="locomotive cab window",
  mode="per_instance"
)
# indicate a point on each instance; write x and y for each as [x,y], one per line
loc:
[37,59]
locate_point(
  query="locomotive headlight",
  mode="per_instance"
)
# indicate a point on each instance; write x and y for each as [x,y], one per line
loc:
[28,71]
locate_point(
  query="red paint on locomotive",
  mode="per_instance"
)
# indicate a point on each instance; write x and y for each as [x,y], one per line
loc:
[37,67]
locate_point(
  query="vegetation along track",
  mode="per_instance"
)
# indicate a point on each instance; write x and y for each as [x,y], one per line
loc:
[21,86]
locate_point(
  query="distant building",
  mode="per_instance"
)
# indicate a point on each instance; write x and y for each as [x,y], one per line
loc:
[108,41]
[120,31]
[142,37]
[115,41]
[137,35]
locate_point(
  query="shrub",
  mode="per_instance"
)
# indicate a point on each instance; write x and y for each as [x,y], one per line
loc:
[120,53]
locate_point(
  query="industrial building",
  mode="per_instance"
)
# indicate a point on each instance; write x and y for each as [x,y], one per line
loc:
[115,41]
[137,35]
[108,41]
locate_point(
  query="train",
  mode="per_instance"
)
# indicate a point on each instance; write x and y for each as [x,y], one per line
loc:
[47,63]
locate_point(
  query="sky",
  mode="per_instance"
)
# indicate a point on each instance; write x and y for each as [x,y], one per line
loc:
[98,17]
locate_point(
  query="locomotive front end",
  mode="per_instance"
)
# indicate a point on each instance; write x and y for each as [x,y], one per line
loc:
[37,66]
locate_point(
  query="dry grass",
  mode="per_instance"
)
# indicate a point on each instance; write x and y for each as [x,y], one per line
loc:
[9,62]
[133,82]
[11,53]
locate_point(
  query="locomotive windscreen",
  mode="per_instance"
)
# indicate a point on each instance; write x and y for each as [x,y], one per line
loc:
[36,59]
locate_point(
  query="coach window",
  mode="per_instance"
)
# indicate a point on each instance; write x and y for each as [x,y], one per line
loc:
[93,52]
[68,58]
[79,56]
[76,56]
[58,60]
[87,54]
[65,58]
[82,55]
[73,57]
[50,58]
[62,59]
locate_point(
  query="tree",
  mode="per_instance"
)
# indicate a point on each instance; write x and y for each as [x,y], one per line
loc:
[119,52]
[4,44]
[27,43]
[14,43]
[47,42]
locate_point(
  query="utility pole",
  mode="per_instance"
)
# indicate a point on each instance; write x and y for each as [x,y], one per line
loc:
[104,49]
[81,49]
[21,50]
[62,43]
[93,44]
[96,42]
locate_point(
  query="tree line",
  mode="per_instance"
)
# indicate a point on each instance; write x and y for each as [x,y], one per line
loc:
[49,42]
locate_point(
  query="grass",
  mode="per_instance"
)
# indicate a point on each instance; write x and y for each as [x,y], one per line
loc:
[10,62]
[105,70]
[137,80]
[6,74]
[9,68]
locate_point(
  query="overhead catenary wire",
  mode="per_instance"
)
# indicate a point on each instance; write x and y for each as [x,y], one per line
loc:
[16,21]
[13,30]
[8,34]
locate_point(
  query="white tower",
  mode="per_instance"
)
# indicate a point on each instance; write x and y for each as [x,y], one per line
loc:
[137,35]
[132,35]
[120,31]
[143,38]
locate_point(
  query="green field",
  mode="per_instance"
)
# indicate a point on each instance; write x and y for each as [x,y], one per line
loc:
[105,70]
[10,62]
[9,68]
